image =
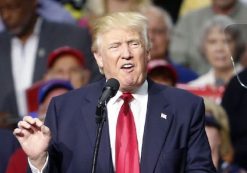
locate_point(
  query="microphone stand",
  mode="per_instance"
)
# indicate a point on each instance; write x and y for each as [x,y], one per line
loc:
[100,120]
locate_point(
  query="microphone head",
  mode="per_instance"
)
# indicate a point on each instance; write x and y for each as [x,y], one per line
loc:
[113,84]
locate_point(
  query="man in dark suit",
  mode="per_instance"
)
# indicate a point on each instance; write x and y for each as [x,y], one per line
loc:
[165,125]
[25,45]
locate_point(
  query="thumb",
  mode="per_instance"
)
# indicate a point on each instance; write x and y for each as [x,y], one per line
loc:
[45,130]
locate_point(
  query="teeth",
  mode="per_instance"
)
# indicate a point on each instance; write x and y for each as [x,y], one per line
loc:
[127,65]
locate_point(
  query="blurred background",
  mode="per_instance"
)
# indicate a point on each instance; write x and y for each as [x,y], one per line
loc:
[197,45]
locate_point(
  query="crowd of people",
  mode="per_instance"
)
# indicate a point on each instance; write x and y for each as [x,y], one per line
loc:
[51,47]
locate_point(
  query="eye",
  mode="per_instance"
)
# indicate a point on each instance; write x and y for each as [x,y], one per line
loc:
[134,44]
[114,46]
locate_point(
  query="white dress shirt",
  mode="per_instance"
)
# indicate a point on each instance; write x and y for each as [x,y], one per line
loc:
[139,109]
[23,62]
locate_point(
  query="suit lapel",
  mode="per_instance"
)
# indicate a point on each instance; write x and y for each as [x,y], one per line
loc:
[6,73]
[156,127]
[41,54]
[88,110]
[6,56]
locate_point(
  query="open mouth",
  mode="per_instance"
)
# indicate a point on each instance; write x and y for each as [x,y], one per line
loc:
[127,67]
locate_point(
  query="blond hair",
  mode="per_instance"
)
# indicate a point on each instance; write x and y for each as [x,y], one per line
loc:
[219,114]
[120,20]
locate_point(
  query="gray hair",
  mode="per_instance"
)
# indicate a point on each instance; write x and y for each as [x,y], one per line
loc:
[226,25]
[166,16]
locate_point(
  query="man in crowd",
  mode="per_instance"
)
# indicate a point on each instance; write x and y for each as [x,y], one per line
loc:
[153,132]
[24,48]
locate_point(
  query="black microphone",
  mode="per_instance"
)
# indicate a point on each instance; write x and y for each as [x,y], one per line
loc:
[109,91]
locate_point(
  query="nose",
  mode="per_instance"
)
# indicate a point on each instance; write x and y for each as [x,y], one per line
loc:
[126,52]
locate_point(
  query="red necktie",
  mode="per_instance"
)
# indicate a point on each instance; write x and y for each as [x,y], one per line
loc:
[127,156]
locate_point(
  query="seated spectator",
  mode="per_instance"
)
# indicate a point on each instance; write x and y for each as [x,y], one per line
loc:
[183,47]
[49,90]
[160,30]
[18,160]
[218,132]
[162,72]
[69,64]
[217,47]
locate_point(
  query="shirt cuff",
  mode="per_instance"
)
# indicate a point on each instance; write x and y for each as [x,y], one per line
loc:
[35,170]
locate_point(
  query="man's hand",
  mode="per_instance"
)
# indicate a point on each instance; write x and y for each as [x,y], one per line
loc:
[34,138]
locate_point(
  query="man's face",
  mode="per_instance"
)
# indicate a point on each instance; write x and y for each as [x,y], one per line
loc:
[158,35]
[17,14]
[123,56]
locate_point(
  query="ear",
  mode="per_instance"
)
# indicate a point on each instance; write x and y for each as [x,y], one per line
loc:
[98,59]
[148,55]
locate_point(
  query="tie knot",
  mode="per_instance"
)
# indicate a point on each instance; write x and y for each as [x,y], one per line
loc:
[127,97]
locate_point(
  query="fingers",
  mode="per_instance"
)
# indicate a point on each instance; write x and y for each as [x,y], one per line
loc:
[33,121]
[30,125]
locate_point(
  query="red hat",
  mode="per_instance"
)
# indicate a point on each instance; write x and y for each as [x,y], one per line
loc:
[54,55]
[161,64]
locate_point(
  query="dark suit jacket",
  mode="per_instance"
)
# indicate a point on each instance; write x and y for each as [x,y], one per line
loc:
[52,36]
[235,103]
[173,145]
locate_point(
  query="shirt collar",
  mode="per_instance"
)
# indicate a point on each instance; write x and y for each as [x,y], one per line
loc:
[138,94]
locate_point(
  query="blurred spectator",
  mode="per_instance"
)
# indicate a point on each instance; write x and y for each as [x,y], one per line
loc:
[191,5]
[217,47]
[160,71]
[184,42]
[160,30]
[47,91]
[47,9]
[109,6]
[8,145]
[24,48]
[172,6]
[235,103]
[69,64]
[218,132]
[18,160]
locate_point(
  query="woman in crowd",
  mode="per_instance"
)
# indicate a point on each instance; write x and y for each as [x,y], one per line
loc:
[217,46]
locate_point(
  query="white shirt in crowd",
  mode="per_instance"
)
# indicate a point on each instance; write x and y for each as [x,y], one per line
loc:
[23,62]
